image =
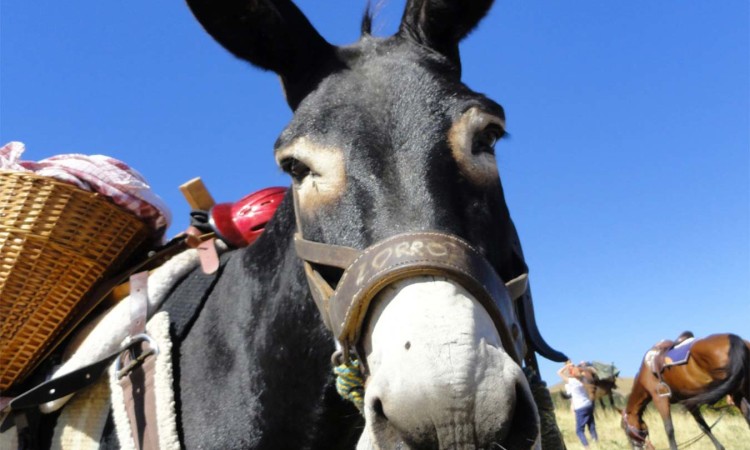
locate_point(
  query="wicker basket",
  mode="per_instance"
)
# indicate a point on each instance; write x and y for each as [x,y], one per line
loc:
[56,242]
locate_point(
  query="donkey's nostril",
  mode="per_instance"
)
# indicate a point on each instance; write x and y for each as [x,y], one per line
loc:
[523,431]
[377,408]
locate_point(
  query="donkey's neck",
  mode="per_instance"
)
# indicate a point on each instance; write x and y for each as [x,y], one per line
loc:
[246,350]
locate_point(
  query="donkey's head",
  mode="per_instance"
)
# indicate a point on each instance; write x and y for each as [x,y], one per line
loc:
[387,146]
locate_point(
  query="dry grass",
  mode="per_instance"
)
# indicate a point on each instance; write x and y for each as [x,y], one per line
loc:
[732,430]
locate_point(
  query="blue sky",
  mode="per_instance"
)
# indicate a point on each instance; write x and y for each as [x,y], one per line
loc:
[627,173]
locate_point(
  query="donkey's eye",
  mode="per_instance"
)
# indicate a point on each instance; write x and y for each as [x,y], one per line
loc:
[295,168]
[485,140]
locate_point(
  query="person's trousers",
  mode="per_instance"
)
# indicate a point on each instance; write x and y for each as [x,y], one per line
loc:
[585,418]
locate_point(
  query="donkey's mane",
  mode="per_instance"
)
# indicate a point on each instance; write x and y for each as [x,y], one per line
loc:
[366,27]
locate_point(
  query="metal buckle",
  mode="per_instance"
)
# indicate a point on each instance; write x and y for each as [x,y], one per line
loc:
[129,343]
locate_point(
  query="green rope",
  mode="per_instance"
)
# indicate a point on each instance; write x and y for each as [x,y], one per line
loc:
[350,383]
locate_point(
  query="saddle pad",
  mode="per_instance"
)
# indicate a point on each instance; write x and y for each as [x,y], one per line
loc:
[679,355]
[106,333]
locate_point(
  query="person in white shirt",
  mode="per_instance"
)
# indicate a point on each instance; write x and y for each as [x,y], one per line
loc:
[583,407]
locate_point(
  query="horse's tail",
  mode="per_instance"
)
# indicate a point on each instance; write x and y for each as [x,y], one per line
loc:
[737,370]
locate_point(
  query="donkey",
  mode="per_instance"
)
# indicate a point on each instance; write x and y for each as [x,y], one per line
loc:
[393,245]
[385,140]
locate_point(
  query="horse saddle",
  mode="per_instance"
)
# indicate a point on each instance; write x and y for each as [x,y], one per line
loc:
[666,354]
[669,353]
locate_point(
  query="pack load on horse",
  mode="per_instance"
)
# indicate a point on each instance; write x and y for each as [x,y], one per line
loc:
[66,223]
[393,251]
[691,372]
[237,224]
[69,225]
[599,379]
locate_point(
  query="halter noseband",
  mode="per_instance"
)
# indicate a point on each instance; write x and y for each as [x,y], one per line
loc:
[402,256]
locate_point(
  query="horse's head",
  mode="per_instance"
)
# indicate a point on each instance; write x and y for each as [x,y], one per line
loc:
[636,431]
[386,147]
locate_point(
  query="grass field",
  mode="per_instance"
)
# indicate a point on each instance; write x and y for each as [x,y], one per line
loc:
[731,430]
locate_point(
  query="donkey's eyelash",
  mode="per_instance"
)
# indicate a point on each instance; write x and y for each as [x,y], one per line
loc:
[295,168]
[284,164]
[497,130]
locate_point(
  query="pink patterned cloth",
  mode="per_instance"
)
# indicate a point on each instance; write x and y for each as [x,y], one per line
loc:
[96,173]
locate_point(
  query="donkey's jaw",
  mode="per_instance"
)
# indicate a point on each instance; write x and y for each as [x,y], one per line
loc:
[439,375]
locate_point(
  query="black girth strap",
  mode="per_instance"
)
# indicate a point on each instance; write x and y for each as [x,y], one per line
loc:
[66,384]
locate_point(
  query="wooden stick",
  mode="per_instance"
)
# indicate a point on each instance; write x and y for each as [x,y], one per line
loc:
[197,195]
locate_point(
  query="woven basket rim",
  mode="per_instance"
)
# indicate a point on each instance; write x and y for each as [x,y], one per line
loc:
[80,219]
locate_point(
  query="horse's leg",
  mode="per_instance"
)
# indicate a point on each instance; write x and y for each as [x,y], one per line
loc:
[705,428]
[593,400]
[662,405]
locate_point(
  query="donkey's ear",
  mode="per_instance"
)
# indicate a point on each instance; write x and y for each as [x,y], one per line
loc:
[441,24]
[273,35]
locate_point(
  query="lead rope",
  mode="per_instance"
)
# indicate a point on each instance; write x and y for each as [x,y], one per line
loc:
[698,437]
[350,383]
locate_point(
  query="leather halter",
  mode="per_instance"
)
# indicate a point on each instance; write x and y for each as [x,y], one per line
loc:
[402,256]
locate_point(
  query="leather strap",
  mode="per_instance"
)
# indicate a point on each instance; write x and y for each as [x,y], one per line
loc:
[65,384]
[315,253]
[328,255]
[209,256]
[518,286]
[321,292]
[531,330]
[138,383]
[140,401]
[207,253]
[423,253]
[138,302]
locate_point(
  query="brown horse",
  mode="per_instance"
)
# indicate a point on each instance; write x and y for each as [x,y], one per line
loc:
[598,387]
[719,365]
